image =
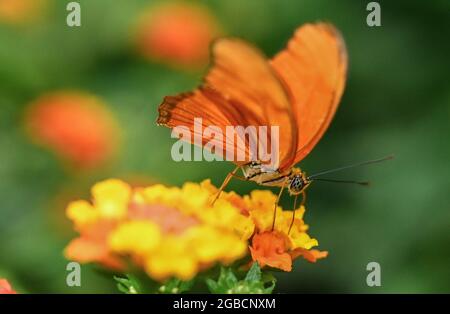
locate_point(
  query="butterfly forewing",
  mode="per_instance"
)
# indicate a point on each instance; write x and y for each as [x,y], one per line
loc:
[240,89]
[298,91]
[312,69]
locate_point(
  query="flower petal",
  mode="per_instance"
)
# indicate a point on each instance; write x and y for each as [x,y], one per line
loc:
[269,248]
[111,197]
[310,255]
[135,237]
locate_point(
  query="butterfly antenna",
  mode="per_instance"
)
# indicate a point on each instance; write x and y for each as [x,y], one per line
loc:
[364,163]
[363,183]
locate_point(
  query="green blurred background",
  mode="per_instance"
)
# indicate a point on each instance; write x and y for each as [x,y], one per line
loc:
[397,100]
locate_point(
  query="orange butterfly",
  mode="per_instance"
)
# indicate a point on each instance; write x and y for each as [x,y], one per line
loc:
[298,90]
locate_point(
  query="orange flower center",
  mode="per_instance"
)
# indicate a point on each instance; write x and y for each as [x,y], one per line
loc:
[170,219]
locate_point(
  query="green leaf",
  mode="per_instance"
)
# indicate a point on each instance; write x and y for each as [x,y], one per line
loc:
[226,281]
[212,286]
[227,277]
[128,285]
[254,282]
[174,285]
[254,274]
[269,289]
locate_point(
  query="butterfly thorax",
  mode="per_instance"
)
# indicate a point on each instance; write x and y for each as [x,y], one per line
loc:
[295,180]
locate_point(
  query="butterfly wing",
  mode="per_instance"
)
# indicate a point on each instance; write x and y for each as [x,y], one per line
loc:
[240,89]
[205,103]
[313,70]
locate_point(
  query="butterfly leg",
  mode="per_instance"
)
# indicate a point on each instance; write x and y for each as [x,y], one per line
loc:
[295,205]
[293,214]
[276,204]
[225,183]
[242,178]
[303,198]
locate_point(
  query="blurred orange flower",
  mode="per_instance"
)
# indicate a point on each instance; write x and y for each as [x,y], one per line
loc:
[5,287]
[17,11]
[177,33]
[76,126]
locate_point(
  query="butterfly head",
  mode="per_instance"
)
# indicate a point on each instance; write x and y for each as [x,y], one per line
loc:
[298,181]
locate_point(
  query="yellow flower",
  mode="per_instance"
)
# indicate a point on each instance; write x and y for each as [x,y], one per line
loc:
[194,197]
[172,258]
[160,194]
[168,231]
[111,198]
[209,244]
[82,214]
[110,202]
[288,239]
[225,215]
[135,237]
[178,232]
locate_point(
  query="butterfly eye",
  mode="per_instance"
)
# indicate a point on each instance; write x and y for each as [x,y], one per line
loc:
[296,184]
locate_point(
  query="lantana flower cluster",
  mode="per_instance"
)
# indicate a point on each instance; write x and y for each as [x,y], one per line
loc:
[173,232]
